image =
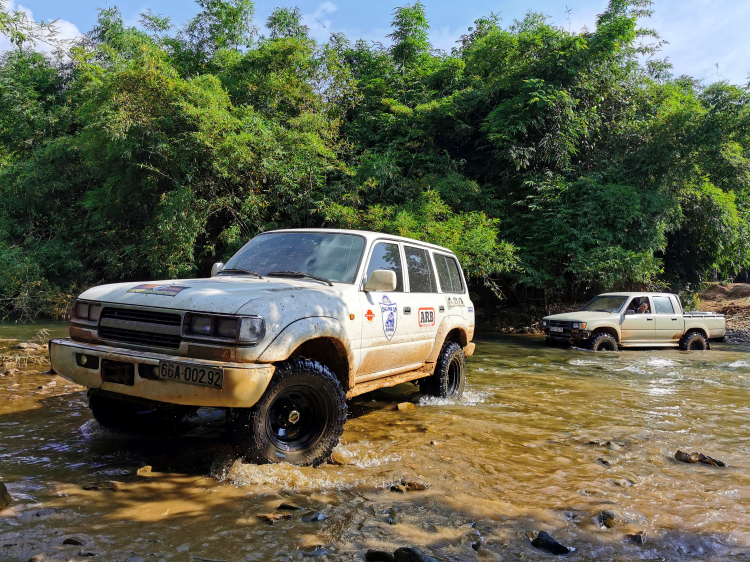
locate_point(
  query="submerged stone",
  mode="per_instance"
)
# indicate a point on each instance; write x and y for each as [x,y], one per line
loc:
[697,457]
[544,541]
[273,517]
[637,538]
[408,554]
[314,517]
[75,541]
[379,556]
[320,551]
[289,507]
[609,518]
[5,498]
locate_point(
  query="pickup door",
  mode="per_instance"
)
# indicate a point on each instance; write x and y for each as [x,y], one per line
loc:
[638,328]
[670,325]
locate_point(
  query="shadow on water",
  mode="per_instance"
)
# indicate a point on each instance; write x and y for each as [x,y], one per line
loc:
[545,439]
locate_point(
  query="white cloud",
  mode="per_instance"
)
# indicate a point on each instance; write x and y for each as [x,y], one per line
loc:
[66,30]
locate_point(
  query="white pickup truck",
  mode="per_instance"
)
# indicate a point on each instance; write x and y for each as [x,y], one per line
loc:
[294,324]
[614,320]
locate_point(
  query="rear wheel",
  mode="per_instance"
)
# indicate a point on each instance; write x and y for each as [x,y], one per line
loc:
[693,341]
[135,417]
[298,420]
[449,377]
[603,342]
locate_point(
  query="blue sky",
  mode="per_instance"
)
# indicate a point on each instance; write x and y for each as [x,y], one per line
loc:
[708,39]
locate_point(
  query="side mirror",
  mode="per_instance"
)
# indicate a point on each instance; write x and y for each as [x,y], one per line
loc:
[629,312]
[216,268]
[381,280]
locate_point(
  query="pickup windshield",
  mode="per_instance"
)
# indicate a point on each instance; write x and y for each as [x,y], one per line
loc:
[321,254]
[605,304]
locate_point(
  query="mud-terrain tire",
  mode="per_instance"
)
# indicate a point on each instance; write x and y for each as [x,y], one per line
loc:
[449,378]
[136,418]
[298,420]
[603,342]
[693,341]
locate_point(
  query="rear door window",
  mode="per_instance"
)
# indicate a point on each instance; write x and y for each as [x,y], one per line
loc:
[386,256]
[421,275]
[449,274]
[663,305]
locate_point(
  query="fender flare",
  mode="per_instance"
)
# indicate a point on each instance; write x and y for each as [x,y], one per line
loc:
[450,323]
[305,329]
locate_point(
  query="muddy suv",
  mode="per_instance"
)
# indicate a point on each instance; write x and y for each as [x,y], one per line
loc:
[293,325]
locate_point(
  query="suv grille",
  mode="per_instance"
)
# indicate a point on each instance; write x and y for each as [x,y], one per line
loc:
[560,324]
[141,327]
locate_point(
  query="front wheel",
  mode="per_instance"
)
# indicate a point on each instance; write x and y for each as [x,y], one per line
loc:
[449,377]
[298,420]
[603,342]
[693,341]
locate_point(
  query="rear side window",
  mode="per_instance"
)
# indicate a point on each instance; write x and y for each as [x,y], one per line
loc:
[421,276]
[663,305]
[386,256]
[449,274]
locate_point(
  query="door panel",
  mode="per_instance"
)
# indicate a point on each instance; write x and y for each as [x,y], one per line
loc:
[669,324]
[386,343]
[638,328]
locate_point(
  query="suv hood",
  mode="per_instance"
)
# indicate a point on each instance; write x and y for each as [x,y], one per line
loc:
[223,295]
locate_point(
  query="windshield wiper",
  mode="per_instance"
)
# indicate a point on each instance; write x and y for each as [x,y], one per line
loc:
[298,275]
[240,270]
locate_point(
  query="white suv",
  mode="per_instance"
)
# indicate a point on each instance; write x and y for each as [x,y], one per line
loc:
[293,325]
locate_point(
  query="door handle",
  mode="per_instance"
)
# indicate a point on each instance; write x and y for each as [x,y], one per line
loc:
[650,319]
[674,319]
[407,310]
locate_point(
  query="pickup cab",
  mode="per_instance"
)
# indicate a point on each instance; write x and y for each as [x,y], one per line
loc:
[294,324]
[617,320]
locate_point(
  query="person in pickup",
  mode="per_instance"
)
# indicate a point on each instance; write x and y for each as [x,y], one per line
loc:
[643,308]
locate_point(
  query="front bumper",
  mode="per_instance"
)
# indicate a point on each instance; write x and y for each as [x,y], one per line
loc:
[244,383]
[568,335]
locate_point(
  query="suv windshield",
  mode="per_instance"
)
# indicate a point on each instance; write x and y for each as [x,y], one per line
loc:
[605,304]
[325,254]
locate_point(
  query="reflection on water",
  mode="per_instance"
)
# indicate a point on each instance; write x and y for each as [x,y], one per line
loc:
[27,330]
[545,439]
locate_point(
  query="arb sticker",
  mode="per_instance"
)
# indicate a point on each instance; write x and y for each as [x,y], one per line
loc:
[426,317]
[369,315]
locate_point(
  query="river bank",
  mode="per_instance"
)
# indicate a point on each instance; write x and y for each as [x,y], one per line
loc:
[545,439]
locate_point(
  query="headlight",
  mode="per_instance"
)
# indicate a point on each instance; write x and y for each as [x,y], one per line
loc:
[246,329]
[579,325]
[544,322]
[87,311]
[251,329]
[201,325]
[227,327]
[82,310]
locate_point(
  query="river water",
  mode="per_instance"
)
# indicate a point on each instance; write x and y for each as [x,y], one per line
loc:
[544,439]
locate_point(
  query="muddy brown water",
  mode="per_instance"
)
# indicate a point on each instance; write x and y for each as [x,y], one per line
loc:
[544,439]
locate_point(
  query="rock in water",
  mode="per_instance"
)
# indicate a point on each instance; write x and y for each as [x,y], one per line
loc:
[379,556]
[273,517]
[412,555]
[697,457]
[544,541]
[75,541]
[314,517]
[609,518]
[637,538]
[403,406]
[289,507]
[4,496]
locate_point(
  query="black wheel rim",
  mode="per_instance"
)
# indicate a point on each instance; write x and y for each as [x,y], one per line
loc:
[454,376]
[696,345]
[296,419]
[607,345]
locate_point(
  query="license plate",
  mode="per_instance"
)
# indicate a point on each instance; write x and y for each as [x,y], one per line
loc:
[191,374]
[555,329]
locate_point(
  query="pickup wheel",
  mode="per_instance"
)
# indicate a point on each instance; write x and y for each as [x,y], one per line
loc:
[693,341]
[298,420]
[137,418]
[603,342]
[449,377]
